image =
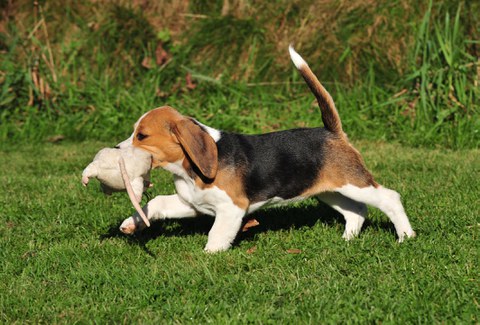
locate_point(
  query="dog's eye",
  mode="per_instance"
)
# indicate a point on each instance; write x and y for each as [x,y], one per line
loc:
[141,136]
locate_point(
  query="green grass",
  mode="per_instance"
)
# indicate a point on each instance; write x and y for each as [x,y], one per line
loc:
[64,261]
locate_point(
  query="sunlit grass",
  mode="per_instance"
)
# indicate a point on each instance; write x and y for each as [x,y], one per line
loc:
[64,260]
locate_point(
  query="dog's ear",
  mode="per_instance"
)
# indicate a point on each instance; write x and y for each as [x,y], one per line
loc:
[199,146]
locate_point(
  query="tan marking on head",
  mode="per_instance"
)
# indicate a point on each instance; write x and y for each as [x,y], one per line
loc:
[170,137]
[343,165]
[159,140]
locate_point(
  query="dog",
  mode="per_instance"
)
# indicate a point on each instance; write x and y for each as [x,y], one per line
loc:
[229,175]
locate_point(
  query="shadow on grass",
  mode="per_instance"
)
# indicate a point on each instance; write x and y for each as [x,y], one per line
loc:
[270,219]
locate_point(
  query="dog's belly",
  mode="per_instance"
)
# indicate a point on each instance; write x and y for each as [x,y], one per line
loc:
[209,201]
[276,201]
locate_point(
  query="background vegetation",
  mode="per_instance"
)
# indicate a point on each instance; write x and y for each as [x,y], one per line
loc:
[399,70]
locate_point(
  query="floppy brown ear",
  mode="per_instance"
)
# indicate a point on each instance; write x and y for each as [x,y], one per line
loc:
[199,146]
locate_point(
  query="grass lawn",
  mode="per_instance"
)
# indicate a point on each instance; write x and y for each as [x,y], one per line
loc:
[63,259]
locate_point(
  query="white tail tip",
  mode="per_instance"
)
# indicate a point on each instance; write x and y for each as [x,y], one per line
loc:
[296,58]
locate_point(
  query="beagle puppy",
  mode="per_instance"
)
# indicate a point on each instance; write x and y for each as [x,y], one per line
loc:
[229,175]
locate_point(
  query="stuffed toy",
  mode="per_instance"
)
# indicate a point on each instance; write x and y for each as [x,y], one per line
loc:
[122,169]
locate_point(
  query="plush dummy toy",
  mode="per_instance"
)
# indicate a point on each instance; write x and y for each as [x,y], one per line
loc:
[122,169]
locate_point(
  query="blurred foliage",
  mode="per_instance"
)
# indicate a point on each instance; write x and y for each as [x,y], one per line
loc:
[392,63]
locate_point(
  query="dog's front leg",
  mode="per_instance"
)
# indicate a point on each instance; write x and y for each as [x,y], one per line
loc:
[161,207]
[228,219]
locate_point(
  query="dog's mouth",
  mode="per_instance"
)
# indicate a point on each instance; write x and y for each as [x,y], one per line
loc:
[157,162]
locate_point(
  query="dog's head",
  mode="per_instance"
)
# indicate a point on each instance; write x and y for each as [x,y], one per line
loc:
[171,137]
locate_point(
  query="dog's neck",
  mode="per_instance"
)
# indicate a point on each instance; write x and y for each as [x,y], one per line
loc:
[186,170]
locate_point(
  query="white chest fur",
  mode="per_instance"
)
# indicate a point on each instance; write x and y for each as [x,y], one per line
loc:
[208,201]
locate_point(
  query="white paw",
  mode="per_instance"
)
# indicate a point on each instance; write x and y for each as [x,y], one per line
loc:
[85,180]
[128,226]
[131,225]
[409,233]
[349,235]
[216,247]
[352,229]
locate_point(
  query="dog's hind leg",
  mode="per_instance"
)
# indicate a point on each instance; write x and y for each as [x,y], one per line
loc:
[388,201]
[354,212]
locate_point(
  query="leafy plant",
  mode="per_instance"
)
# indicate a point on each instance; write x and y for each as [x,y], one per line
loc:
[397,70]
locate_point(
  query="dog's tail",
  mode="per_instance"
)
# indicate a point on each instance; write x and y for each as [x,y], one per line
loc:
[330,117]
